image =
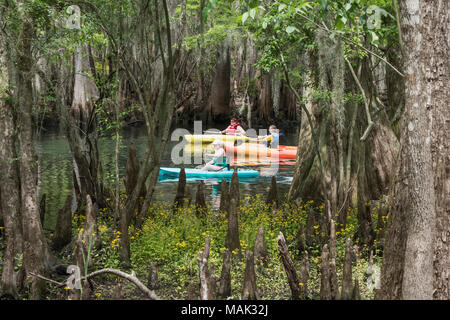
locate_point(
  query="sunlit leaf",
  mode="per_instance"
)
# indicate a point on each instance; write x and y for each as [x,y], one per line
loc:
[340,22]
[374,37]
[291,29]
[244,17]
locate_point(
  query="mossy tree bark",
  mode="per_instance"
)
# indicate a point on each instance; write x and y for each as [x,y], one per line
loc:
[219,103]
[410,269]
[36,257]
[10,213]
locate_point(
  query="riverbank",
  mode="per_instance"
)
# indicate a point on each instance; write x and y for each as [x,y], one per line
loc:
[56,165]
[164,252]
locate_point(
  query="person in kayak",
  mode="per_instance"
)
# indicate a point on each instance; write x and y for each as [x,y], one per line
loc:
[234,128]
[219,160]
[272,139]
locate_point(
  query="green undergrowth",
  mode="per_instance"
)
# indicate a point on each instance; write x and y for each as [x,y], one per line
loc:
[172,241]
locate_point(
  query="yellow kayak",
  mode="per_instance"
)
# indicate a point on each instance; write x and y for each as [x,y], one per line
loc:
[209,138]
[198,149]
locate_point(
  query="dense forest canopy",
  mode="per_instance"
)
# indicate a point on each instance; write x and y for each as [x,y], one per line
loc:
[363,84]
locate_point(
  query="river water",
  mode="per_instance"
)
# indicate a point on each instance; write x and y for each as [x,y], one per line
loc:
[56,167]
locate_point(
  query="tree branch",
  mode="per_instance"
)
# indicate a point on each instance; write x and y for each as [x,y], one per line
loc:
[130,277]
[352,42]
[308,114]
[46,279]
[366,104]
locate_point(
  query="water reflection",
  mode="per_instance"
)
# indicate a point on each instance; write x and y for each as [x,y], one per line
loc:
[56,165]
[212,186]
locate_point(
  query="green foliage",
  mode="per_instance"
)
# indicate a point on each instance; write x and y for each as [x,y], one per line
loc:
[106,117]
[222,23]
[172,240]
[288,27]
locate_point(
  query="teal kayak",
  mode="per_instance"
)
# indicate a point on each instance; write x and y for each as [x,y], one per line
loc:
[197,173]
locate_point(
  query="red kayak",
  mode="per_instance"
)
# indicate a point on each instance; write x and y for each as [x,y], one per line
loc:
[260,151]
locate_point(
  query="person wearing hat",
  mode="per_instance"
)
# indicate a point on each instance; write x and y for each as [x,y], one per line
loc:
[234,128]
[219,160]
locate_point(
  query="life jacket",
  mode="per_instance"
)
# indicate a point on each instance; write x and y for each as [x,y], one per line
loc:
[232,128]
[273,140]
[221,162]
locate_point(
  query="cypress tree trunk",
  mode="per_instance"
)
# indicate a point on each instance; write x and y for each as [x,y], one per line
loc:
[418,208]
[81,128]
[9,188]
[436,17]
[265,98]
[418,268]
[36,254]
[219,103]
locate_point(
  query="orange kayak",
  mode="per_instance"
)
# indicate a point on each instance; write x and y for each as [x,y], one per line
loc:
[260,151]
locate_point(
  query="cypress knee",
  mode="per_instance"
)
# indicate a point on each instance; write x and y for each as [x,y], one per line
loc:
[181,190]
[224,197]
[63,229]
[234,188]
[304,276]
[325,289]
[260,248]
[152,282]
[225,277]
[333,273]
[289,267]
[347,285]
[356,295]
[124,242]
[212,283]
[207,277]
[272,197]
[232,240]
[249,291]
[200,202]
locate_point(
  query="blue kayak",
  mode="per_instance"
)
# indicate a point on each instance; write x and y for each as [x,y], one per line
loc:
[197,173]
